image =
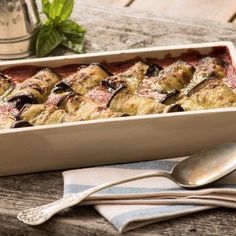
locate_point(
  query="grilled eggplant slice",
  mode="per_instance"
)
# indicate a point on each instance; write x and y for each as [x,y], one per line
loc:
[92,105]
[214,94]
[86,78]
[35,89]
[59,94]
[115,93]
[174,77]
[71,103]
[91,110]
[168,83]
[207,69]
[103,68]
[133,104]
[153,70]
[5,84]
[132,78]
[207,89]
[21,124]
[173,108]
[41,114]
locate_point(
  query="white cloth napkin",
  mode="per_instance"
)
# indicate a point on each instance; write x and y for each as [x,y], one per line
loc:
[134,204]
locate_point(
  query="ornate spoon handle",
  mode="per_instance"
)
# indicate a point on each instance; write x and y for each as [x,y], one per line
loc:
[39,215]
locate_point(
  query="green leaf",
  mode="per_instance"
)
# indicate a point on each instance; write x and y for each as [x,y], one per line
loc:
[55,9]
[66,10]
[58,10]
[57,29]
[48,39]
[70,27]
[74,42]
[46,6]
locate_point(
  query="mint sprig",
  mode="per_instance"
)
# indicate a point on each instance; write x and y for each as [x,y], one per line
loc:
[58,29]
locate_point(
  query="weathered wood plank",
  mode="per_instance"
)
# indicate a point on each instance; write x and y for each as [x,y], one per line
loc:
[120,3]
[114,29]
[20,192]
[207,9]
[110,29]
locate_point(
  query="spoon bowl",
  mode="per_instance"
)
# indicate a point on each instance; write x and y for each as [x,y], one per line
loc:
[206,166]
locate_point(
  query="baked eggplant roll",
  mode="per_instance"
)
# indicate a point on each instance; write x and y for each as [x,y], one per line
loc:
[93,105]
[35,89]
[208,68]
[91,110]
[133,104]
[132,78]
[212,94]
[71,103]
[5,84]
[86,78]
[168,83]
[174,77]
[59,94]
[207,89]
[41,114]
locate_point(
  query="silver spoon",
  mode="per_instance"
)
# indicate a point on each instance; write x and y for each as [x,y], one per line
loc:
[195,171]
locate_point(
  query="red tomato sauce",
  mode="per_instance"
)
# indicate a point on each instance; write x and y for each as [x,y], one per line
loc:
[19,74]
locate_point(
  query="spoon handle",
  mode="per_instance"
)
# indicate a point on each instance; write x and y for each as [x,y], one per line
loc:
[39,215]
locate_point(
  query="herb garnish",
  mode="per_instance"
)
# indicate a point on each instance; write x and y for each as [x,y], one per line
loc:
[58,29]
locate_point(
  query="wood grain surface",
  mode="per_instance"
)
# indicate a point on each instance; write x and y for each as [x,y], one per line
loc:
[119,3]
[20,192]
[123,28]
[221,10]
[111,29]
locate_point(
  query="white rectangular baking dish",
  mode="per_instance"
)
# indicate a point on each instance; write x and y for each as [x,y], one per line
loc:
[118,140]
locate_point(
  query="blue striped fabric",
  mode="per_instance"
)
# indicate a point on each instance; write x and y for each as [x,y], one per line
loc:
[147,165]
[155,212]
[76,188]
[132,216]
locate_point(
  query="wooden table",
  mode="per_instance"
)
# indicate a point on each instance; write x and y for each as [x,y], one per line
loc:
[220,10]
[111,29]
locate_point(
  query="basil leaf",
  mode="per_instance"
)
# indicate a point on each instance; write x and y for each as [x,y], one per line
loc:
[70,27]
[48,39]
[74,42]
[66,10]
[59,10]
[46,6]
[57,29]
[55,9]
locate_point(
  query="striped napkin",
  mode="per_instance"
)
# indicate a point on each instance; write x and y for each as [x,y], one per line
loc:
[134,204]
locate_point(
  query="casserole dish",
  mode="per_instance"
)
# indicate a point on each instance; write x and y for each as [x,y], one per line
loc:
[123,139]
